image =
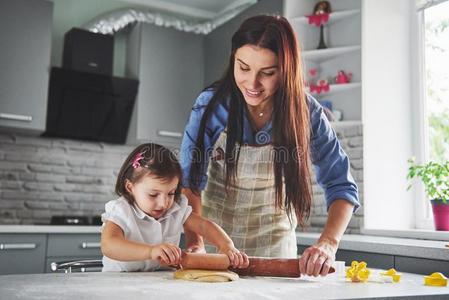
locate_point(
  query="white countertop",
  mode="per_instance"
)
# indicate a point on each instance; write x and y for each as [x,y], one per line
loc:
[161,285]
[385,245]
[49,229]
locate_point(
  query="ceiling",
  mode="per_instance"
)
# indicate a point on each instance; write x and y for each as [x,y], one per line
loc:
[202,9]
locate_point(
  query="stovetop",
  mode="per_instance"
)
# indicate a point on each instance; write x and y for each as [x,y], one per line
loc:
[76,220]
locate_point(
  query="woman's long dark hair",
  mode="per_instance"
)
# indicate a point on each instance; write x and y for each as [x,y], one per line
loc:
[291,128]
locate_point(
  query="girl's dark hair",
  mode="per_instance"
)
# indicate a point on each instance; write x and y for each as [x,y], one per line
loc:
[156,160]
[291,124]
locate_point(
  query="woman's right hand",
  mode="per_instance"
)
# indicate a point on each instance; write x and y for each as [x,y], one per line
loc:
[166,253]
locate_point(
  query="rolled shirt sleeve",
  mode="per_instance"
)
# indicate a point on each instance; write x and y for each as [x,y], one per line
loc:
[215,125]
[331,164]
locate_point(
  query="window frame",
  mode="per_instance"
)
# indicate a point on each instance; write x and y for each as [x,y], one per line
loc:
[423,210]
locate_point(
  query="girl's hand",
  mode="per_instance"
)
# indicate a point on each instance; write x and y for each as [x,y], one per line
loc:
[238,259]
[317,259]
[166,253]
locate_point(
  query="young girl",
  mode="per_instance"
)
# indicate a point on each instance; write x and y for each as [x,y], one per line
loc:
[141,230]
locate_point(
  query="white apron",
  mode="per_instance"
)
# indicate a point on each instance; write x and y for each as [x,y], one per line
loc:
[249,215]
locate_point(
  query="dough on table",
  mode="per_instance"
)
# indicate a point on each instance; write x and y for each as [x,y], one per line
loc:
[206,275]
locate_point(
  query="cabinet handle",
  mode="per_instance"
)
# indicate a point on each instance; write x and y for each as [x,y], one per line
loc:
[16,117]
[90,245]
[169,133]
[19,246]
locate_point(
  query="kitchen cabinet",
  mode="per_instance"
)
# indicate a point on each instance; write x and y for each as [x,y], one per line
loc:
[34,252]
[73,245]
[342,36]
[25,41]
[169,65]
[374,260]
[70,247]
[421,265]
[22,253]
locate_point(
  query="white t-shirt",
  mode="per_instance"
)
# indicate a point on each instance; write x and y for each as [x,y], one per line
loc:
[139,227]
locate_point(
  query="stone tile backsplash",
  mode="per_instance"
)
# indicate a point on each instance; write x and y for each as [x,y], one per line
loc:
[41,177]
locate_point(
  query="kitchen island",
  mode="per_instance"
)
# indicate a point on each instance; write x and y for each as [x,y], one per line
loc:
[161,285]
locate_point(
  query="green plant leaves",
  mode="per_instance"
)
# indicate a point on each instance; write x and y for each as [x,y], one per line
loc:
[434,176]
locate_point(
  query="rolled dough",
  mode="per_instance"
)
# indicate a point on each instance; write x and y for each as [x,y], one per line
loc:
[206,275]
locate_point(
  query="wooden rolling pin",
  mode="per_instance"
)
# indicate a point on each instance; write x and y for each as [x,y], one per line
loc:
[204,261]
[258,266]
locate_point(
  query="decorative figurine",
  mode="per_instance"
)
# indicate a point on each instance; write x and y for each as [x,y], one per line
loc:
[323,9]
[322,86]
[315,84]
[320,14]
[343,77]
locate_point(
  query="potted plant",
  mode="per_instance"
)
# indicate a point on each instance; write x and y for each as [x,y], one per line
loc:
[435,177]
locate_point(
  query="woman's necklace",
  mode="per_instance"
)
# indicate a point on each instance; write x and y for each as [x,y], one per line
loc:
[258,119]
[261,114]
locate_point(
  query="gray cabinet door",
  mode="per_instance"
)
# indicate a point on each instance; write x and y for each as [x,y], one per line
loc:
[374,260]
[169,66]
[421,265]
[74,245]
[22,253]
[25,46]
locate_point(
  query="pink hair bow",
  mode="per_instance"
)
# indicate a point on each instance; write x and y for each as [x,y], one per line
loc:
[136,161]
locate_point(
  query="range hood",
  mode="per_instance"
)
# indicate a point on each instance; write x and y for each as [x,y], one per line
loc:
[89,106]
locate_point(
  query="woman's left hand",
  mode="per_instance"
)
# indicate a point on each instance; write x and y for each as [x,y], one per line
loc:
[317,259]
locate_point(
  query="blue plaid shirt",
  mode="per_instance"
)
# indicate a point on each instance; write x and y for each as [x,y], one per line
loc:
[331,163]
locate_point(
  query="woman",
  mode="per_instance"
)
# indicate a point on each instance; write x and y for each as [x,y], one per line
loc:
[248,146]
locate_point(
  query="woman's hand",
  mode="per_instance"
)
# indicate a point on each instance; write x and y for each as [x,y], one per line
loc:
[317,259]
[238,259]
[166,253]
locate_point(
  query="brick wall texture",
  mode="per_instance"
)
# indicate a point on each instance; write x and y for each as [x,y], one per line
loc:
[41,177]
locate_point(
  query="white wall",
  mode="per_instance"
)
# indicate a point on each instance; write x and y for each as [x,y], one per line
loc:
[386,112]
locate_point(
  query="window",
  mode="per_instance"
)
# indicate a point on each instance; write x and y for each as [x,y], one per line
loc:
[436,67]
[434,33]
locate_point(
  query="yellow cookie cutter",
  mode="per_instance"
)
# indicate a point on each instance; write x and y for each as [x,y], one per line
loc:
[435,279]
[358,272]
[395,276]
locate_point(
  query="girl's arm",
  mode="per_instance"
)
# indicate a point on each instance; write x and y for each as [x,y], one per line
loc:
[115,246]
[194,241]
[216,236]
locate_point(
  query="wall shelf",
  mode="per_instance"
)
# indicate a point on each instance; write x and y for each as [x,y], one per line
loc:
[342,52]
[322,55]
[339,124]
[333,17]
[337,88]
